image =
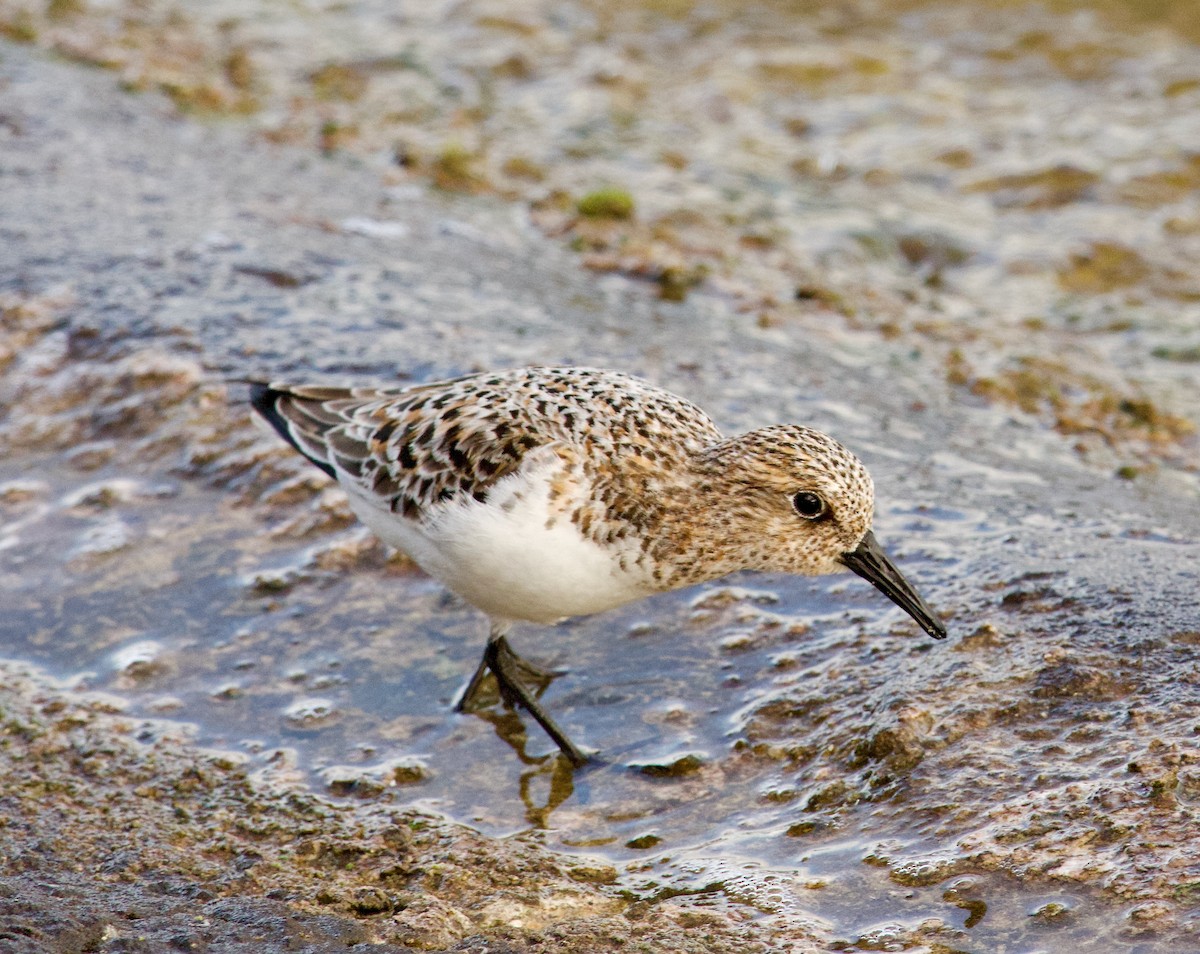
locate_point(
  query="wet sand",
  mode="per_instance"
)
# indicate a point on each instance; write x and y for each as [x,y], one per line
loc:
[789,764]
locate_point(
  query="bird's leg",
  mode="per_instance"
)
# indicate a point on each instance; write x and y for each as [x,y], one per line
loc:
[539,676]
[502,661]
[508,669]
[466,699]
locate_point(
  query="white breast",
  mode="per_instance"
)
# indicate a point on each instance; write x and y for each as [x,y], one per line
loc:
[504,558]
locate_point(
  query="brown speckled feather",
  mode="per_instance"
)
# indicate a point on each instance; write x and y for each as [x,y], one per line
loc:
[431,444]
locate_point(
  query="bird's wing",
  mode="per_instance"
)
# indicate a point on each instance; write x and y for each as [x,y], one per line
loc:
[410,449]
[416,447]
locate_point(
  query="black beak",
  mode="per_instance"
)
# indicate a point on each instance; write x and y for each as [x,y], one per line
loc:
[871,563]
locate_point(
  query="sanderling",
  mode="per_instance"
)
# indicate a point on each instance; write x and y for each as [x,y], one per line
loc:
[543,493]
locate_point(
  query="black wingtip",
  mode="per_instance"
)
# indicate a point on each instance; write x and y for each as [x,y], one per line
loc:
[264,399]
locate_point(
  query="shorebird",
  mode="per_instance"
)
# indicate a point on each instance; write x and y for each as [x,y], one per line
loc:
[544,493]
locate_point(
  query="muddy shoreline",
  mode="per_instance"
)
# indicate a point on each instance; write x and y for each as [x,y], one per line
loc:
[792,767]
[119,835]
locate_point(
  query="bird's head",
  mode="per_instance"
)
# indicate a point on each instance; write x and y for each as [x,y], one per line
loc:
[793,500]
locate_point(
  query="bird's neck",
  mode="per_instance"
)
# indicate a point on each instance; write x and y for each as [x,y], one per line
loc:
[696,536]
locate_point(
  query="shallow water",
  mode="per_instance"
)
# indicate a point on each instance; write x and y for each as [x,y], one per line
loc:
[181,606]
[796,743]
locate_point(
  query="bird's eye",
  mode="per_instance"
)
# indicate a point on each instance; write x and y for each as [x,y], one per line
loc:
[809,505]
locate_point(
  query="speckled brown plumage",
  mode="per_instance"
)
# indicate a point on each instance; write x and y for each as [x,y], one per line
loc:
[639,463]
[426,445]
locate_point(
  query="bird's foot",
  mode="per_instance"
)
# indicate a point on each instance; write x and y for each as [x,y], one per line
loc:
[528,673]
[509,668]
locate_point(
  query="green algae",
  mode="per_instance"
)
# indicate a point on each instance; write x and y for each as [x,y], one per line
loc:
[606,203]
